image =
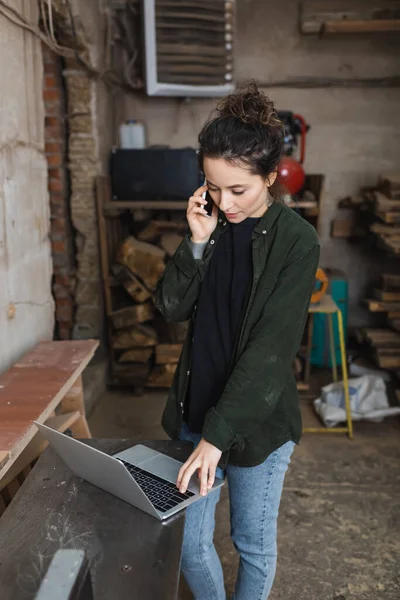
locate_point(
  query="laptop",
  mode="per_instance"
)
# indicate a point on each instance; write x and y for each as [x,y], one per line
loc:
[139,475]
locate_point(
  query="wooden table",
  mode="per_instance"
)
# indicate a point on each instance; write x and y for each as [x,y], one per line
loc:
[45,385]
[133,556]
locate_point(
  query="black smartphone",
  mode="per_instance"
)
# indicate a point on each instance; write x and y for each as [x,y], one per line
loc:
[209,206]
[210,203]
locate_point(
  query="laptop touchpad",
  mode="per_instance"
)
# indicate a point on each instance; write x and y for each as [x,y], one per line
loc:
[164,467]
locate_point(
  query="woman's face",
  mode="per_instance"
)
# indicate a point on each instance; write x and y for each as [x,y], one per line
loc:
[235,190]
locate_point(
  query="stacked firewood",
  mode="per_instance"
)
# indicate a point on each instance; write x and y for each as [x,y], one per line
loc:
[145,347]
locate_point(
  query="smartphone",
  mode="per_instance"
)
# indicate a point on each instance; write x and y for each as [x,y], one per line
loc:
[209,206]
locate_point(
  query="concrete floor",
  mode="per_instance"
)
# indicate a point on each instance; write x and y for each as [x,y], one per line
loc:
[339,524]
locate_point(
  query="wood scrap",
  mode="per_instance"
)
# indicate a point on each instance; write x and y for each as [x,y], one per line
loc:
[132,315]
[391,282]
[131,283]
[382,338]
[155,229]
[384,203]
[170,242]
[385,230]
[377,306]
[136,355]
[144,260]
[395,324]
[162,376]
[168,353]
[135,337]
[386,346]
[387,296]
[351,202]
[390,185]
[330,17]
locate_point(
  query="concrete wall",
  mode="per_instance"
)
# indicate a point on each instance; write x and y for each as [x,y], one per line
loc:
[355,132]
[26,304]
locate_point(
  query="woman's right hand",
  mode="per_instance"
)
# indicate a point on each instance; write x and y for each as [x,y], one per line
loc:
[201,225]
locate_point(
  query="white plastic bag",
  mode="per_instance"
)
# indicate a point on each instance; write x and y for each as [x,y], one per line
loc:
[368,400]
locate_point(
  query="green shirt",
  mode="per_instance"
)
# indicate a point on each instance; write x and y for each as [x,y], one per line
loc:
[259,408]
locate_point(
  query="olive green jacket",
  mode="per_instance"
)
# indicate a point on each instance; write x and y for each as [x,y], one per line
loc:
[259,408]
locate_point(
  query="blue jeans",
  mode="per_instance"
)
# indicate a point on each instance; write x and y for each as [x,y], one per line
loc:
[254,494]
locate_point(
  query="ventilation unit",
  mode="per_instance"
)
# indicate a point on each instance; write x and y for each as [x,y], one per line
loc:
[188,47]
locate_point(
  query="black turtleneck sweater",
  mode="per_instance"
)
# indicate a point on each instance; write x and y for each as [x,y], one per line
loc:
[220,310]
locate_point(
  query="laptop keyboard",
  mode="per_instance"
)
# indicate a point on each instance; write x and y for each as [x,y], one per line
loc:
[163,494]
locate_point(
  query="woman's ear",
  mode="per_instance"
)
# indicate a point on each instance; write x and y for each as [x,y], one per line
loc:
[271,179]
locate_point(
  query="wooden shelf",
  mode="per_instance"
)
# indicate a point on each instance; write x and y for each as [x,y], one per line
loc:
[310,204]
[180,205]
[144,204]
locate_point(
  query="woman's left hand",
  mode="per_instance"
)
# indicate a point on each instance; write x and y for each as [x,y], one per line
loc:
[204,459]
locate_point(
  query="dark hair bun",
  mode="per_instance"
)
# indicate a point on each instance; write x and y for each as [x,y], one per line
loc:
[250,106]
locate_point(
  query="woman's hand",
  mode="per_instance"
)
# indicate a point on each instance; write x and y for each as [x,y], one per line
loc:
[205,458]
[201,225]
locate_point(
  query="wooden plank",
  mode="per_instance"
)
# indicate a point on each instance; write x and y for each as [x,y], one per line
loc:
[388,217]
[388,362]
[315,14]
[146,261]
[391,281]
[74,401]
[168,353]
[385,203]
[34,387]
[4,457]
[385,230]
[373,26]
[136,355]
[387,296]
[377,306]
[155,229]
[135,337]
[390,185]
[395,323]
[64,421]
[145,204]
[131,283]
[132,315]
[170,242]
[382,338]
[162,376]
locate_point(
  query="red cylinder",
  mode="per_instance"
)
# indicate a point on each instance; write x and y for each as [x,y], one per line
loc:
[291,174]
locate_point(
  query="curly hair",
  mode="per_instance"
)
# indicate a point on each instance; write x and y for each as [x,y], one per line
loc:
[245,129]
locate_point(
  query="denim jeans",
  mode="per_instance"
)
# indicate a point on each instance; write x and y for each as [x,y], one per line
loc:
[254,494]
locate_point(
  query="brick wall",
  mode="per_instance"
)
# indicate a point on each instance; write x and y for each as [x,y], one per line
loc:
[62,241]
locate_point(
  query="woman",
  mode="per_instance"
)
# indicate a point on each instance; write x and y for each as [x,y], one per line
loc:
[243,277]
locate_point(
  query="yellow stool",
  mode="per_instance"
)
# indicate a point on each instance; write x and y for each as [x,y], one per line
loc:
[329,307]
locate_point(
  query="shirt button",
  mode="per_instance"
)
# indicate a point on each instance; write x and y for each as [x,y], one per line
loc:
[212,242]
[224,223]
[188,373]
[181,403]
[192,340]
[264,232]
